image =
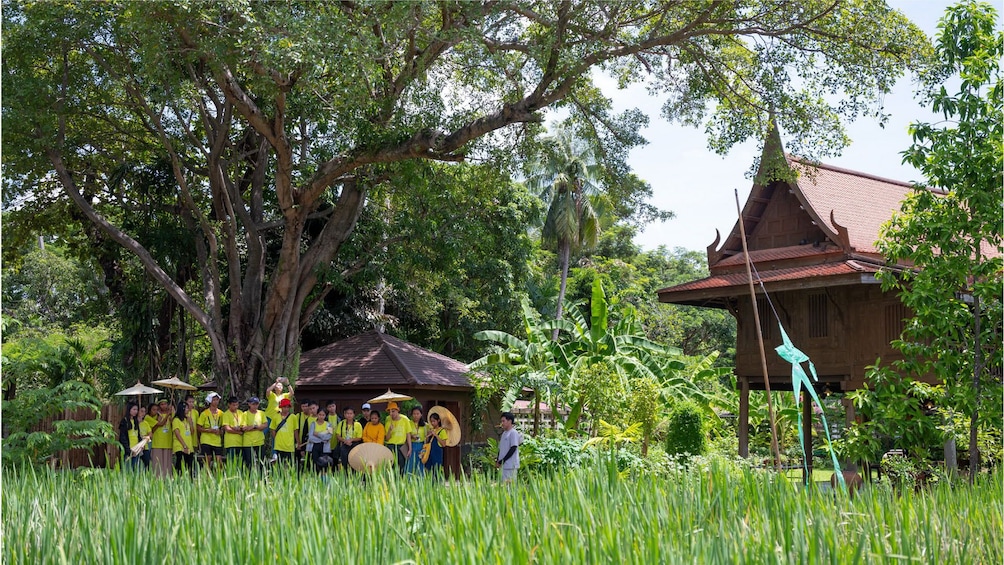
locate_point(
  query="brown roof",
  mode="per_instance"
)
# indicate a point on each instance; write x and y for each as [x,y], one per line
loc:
[731,284]
[374,359]
[861,203]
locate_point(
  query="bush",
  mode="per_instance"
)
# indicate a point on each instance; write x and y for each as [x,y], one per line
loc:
[686,431]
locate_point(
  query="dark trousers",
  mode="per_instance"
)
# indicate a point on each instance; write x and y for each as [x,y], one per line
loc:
[285,457]
[184,462]
[253,456]
[343,454]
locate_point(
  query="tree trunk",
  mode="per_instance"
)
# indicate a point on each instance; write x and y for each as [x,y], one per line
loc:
[564,251]
[974,454]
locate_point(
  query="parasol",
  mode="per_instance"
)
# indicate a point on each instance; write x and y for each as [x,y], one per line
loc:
[368,456]
[174,382]
[390,397]
[138,389]
[449,423]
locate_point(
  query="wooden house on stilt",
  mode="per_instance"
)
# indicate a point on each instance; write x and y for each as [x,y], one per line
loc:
[811,240]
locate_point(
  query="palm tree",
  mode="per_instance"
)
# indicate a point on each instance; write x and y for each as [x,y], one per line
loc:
[567,177]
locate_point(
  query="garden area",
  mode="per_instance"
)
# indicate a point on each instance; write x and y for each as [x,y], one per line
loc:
[209,194]
[712,512]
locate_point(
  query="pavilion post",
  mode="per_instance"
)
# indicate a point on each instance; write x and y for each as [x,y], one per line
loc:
[744,417]
[807,436]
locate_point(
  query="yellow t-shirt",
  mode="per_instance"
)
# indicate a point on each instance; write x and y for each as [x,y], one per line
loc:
[194,413]
[133,434]
[352,431]
[373,433]
[322,427]
[254,438]
[209,421]
[162,438]
[186,433]
[145,426]
[272,408]
[397,432]
[419,431]
[231,439]
[285,439]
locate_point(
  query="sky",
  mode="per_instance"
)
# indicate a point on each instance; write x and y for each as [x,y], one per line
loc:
[697,184]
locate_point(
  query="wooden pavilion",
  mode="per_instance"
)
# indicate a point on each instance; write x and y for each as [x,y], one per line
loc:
[811,242]
[364,366]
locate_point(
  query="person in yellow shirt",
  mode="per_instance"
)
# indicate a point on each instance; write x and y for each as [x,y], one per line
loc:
[254,424]
[161,443]
[435,436]
[146,423]
[398,428]
[416,437]
[349,432]
[181,443]
[129,436]
[318,443]
[233,432]
[193,414]
[284,429]
[374,432]
[210,429]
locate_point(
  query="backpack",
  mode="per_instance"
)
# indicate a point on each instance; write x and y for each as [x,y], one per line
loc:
[426,450]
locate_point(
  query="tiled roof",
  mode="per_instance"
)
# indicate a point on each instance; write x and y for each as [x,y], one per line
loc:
[859,202]
[740,280]
[374,359]
[780,254]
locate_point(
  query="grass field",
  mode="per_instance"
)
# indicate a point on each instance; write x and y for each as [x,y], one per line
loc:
[718,514]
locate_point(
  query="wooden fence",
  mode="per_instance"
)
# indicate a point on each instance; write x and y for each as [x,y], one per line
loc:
[105,456]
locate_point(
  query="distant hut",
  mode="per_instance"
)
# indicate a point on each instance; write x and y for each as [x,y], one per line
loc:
[364,366]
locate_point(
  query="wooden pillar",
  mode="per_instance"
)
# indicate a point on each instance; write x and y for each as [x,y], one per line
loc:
[849,418]
[807,436]
[744,417]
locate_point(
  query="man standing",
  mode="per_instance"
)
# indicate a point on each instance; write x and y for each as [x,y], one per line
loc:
[210,428]
[254,424]
[508,457]
[284,430]
[397,434]
[233,437]
[364,418]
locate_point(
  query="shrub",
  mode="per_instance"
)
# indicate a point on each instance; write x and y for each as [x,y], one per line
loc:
[686,431]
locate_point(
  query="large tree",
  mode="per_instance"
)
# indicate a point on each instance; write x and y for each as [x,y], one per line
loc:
[277,119]
[950,228]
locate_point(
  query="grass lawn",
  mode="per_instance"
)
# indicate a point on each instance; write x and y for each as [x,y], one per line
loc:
[715,514]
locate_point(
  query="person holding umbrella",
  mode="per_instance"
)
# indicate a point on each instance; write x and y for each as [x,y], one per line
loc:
[398,429]
[435,438]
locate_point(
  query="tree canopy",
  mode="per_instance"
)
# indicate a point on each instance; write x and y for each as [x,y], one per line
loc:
[275,122]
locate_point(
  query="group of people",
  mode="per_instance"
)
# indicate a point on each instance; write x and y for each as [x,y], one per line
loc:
[313,438]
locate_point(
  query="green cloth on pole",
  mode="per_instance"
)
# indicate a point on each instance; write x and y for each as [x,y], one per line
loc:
[791,354]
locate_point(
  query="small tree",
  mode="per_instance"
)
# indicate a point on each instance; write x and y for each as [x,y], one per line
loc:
[686,431]
[950,230]
[25,446]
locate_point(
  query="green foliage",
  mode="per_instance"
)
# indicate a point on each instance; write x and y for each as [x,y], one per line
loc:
[951,229]
[256,133]
[27,447]
[686,431]
[720,512]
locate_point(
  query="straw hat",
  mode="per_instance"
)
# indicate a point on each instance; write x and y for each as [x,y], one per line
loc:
[450,423]
[367,456]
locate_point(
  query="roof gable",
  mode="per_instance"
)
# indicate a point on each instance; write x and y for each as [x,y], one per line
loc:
[373,359]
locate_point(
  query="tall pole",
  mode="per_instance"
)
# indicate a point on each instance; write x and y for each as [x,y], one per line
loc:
[759,338]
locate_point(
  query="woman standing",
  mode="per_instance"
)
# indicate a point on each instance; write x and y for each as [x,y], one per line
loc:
[319,440]
[129,436]
[182,443]
[374,432]
[162,438]
[415,436]
[435,438]
[146,422]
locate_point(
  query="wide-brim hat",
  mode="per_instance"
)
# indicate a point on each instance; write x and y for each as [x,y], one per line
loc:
[450,424]
[368,456]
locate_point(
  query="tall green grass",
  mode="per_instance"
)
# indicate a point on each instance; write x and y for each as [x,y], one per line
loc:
[715,515]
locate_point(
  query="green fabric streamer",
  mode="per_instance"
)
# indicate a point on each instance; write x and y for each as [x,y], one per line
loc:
[793,355]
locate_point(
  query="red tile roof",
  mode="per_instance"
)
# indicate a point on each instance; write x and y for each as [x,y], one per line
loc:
[859,202]
[374,359]
[737,283]
[780,254]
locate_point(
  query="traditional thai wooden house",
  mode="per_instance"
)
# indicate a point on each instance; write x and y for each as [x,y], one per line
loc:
[364,366]
[811,242]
